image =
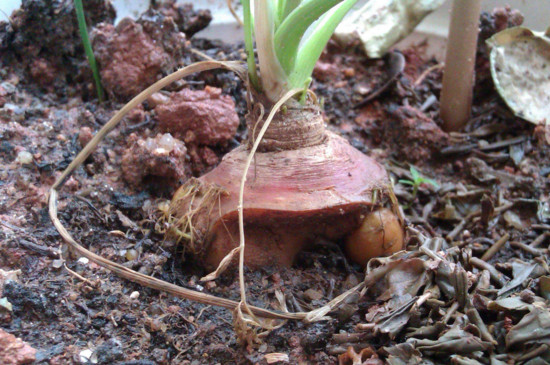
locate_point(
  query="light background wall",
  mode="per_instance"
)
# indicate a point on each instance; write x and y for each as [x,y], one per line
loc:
[536,12]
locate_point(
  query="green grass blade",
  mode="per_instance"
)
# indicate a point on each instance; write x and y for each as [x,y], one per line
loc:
[249,44]
[406,182]
[312,47]
[88,47]
[290,32]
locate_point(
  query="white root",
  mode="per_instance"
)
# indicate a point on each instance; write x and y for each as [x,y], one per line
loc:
[272,113]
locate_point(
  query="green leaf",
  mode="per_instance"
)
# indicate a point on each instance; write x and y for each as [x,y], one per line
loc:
[249,44]
[288,7]
[311,48]
[406,182]
[290,32]
[415,175]
[81,19]
[431,182]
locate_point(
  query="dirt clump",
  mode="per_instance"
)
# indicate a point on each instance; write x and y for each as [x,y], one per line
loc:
[44,35]
[129,59]
[188,20]
[422,135]
[490,24]
[13,351]
[498,20]
[204,117]
[158,157]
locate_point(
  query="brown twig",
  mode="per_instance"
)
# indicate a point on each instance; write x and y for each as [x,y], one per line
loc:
[496,276]
[426,72]
[78,276]
[475,318]
[452,309]
[539,240]
[530,249]
[495,247]
[43,250]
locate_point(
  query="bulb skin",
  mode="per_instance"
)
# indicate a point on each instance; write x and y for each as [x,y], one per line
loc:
[380,234]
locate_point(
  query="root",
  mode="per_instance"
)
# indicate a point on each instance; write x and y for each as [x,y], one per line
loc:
[196,200]
[121,270]
[234,13]
[239,318]
[200,200]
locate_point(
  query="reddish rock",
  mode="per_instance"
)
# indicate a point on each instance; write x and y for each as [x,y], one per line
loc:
[506,18]
[129,59]
[162,156]
[13,351]
[414,134]
[205,117]
[85,135]
[3,95]
[326,71]
[136,115]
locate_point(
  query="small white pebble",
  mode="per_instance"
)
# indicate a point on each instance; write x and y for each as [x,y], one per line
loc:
[85,356]
[83,261]
[56,264]
[24,157]
[134,295]
[167,142]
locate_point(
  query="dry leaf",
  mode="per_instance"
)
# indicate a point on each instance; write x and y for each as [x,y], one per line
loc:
[519,67]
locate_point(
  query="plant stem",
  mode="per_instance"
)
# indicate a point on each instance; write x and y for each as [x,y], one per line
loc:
[272,76]
[88,47]
[458,78]
[249,45]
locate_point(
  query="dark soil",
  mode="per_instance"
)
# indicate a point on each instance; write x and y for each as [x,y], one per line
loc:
[48,112]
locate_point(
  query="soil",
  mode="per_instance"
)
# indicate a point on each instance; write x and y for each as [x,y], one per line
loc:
[48,111]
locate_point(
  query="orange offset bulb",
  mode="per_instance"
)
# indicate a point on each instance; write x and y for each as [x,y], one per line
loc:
[380,234]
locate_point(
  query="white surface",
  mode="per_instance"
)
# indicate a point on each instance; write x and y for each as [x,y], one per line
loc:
[536,12]
[7,6]
[129,8]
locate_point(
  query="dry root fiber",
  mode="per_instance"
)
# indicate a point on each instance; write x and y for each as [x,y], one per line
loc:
[190,211]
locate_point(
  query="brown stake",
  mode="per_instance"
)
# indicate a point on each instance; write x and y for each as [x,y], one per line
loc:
[458,78]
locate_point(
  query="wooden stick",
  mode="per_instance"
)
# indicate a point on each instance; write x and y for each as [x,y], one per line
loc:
[458,78]
[495,247]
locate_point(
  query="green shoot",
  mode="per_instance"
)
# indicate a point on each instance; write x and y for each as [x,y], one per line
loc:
[312,46]
[416,182]
[292,29]
[290,36]
[249,44]
[88,47]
